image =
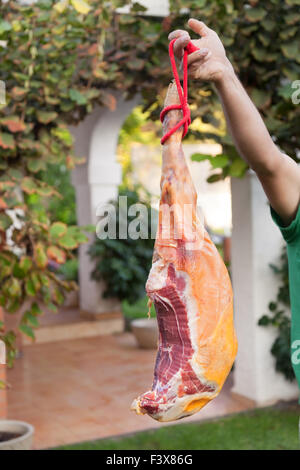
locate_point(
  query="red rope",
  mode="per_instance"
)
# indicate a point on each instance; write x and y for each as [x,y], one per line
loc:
[186,120]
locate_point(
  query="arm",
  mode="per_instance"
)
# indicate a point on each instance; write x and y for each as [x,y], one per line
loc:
[279,174]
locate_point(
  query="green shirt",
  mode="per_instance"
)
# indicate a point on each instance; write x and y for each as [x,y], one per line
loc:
[291,234]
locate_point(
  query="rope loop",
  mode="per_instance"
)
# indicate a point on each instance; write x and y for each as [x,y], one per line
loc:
[186,120]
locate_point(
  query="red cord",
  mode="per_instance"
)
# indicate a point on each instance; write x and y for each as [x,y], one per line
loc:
[186,120]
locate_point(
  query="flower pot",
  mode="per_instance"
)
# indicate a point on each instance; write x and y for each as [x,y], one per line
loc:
[145,331]
[15,435]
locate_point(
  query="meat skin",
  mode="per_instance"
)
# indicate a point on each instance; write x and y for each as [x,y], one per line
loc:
[191,290]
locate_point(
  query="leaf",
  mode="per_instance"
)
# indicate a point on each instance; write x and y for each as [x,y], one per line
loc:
[58,229]
[35,165]
[36,282]
[219,161]
[44,279]
[68,242]
[46,191]
[81,6]
[4,26]
[40,256]
[46,116]
[5,221]
[27,330]
[76,96]
[35,309]
[214,178]
[30,318]
[264,321]
[51,307]
[56,254]
[28,185]
[13,287]
[199,157]
[63,134]
[286,91]
[261,98]
[3,204]
[238,168]
[29,288]
[57,296]
[18,92]
[61,6]
[6,185]
[255,14]
[291,50]
[6,141]
[14,123]
[25,263]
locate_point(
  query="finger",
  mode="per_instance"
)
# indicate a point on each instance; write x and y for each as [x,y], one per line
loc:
[196,66]
[197,55]
[175,34]
[198,27]
[180,44]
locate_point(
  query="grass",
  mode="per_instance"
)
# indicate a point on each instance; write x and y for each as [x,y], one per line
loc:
[265,429]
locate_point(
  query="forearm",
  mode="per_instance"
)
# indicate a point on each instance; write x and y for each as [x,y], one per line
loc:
[278,174]
[245,124]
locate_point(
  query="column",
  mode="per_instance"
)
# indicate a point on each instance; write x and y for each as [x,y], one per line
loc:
[96,182]
[256,242]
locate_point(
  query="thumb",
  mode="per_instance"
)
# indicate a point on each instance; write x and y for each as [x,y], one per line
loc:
[198,27]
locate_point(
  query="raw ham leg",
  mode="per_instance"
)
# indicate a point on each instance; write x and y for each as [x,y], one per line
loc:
[191,290]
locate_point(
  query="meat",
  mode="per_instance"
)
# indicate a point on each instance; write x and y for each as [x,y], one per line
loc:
[191,290]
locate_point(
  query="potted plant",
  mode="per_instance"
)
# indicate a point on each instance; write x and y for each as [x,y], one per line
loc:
[124,265]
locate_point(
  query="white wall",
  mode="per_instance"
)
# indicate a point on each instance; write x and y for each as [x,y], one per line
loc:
[256,242]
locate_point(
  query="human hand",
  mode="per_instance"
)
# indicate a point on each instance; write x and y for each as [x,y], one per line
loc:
[210,62]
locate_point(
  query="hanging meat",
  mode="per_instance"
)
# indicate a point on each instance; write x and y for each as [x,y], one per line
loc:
[191,290]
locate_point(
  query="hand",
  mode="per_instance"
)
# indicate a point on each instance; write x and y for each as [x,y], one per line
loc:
[209,63]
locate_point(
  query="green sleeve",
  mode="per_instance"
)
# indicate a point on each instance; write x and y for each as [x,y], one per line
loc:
[289,232]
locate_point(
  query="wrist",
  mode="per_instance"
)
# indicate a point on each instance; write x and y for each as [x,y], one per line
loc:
[226,74]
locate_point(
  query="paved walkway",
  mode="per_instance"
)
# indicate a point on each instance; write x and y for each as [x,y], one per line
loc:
[81,389]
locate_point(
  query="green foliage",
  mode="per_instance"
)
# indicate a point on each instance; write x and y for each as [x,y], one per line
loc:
[124,264]
[59,207]
[69,270]
[138,309]
[278,318]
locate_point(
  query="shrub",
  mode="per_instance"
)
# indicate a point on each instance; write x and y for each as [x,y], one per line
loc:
[278,318]
[124,264]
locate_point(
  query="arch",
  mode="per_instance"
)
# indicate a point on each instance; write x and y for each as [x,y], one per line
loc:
[96,182]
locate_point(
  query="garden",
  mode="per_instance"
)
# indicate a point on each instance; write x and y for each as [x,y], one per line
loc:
[62,62]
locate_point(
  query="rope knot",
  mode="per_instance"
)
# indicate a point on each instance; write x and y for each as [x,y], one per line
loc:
[186,119]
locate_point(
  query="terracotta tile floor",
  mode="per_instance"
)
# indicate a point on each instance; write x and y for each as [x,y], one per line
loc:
[82,389]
